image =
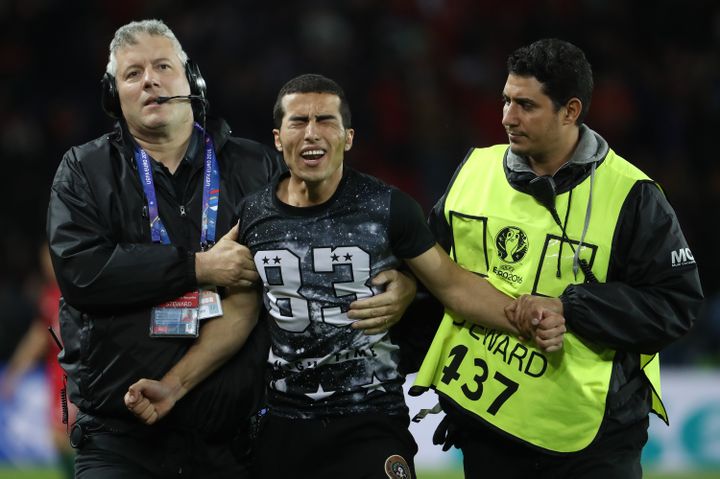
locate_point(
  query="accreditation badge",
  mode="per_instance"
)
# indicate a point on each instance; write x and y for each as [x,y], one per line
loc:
[176,318]
[210,304]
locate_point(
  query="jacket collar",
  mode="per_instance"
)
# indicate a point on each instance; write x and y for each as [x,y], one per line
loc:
[591,148]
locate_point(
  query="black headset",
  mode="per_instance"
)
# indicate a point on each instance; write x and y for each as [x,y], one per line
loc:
[110,101]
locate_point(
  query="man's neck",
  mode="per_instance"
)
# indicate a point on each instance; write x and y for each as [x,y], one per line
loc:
[168,148]
[302,194]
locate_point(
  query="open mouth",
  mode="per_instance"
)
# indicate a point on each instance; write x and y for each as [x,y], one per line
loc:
[313,155]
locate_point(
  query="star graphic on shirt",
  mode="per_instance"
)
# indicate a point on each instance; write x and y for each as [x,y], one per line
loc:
[319,394]
[335,257]
[375,385]
[266,260]
[348,257]
[276,260]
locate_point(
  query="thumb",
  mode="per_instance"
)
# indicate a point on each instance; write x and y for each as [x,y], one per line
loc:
[234,232]
[137,390]
[130,397]
[381,278]
[232,235]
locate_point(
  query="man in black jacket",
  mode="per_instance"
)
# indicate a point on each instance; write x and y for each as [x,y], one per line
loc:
[560,221]
[136,223]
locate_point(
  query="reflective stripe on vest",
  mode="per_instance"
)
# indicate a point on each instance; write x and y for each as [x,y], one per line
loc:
[554,401]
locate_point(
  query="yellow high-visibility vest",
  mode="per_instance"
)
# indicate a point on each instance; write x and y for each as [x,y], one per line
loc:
[554,401]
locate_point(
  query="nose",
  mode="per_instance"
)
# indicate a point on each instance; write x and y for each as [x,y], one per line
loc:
[149,78]
[311,131]
[510,117]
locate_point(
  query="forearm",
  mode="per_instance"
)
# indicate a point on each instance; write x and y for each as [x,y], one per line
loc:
[476,300]
[219,339]
[468,295]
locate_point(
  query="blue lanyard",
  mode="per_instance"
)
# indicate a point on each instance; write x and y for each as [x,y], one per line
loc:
[211,194]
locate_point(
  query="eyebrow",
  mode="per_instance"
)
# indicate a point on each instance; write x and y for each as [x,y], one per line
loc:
[154,62]
[320,117]
[520,100]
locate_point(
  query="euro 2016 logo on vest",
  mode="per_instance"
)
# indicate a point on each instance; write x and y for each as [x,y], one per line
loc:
[512,244]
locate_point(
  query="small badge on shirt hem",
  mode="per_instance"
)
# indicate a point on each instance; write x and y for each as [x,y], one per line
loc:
[396,467]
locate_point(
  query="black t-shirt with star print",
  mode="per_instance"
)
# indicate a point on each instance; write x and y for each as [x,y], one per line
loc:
[314,262]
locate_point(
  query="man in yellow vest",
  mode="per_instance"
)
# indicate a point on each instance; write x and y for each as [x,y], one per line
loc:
[559,221]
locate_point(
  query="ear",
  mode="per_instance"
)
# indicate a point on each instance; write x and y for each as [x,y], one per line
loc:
[573,108]
[349,135]
[276,137]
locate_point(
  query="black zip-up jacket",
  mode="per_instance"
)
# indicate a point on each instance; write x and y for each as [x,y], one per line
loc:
[111,274]
[648,300]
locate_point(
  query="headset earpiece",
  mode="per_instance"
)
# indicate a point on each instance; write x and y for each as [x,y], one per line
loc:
[195,79]
[109,100]
[197,87]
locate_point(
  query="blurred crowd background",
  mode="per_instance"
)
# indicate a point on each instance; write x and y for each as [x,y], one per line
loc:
[424,79]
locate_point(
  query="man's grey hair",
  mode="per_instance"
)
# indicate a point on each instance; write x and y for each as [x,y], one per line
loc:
[126,35]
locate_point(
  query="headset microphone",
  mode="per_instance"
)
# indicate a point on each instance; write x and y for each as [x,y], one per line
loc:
[200,98]
[164,99]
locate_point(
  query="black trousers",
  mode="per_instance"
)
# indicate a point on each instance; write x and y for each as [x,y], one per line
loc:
[360,446]
[155,454]
[613,455]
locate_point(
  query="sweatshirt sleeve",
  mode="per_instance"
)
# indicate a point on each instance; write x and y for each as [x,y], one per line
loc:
[652,294]
[439,226]
[96,273]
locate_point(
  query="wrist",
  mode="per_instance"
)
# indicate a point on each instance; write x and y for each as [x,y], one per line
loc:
[409,275]
[558,306]
[174,385]
[199,266]
[408,279]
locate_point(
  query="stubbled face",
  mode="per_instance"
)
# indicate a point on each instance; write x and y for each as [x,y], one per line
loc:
[149,69]
[530,119]
[313,139]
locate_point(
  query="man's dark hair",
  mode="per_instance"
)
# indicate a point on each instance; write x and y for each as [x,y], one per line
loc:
[562,69]
[311,83]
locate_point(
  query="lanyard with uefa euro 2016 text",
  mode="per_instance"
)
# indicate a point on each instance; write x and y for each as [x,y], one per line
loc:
[211,194]
[179,317]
